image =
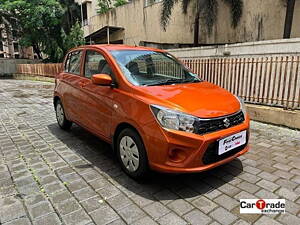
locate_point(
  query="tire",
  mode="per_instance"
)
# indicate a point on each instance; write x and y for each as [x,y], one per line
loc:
[132,154]
[61,117]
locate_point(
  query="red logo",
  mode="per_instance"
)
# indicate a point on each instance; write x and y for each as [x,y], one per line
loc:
[260,204]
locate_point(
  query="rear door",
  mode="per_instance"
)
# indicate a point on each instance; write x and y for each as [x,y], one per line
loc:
[96,104]
[70,82]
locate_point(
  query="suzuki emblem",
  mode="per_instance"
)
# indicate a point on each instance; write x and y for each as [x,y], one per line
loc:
[226,122]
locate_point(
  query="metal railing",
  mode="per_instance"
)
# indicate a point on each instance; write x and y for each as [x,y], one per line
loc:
[273,81]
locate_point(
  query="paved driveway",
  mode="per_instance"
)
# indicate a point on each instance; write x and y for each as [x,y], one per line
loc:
[49,176]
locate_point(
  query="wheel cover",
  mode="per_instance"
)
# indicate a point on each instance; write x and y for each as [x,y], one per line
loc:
[60,114]
[129,153]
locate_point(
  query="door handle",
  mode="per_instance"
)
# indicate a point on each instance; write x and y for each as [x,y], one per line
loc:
[82,84]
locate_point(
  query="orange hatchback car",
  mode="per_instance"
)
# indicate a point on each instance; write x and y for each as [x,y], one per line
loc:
[153,110]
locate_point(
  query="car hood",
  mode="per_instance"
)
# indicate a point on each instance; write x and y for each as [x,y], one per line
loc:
[202,99]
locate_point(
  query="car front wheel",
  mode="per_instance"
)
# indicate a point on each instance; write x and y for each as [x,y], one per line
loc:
[61,117]
[132,154]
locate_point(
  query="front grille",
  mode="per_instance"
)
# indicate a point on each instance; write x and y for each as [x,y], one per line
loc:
[211,154]
[203,126]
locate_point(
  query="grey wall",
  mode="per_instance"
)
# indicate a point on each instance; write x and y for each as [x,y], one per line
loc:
[8,66]
[259,48]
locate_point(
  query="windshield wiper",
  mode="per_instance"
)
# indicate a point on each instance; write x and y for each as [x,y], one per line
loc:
[167,81]
[172,81]
[193,80]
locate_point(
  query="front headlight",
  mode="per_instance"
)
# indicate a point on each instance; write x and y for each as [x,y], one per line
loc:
[242,104]
[172,119]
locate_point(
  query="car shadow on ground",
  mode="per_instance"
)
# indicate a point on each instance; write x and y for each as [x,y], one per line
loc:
[157,186]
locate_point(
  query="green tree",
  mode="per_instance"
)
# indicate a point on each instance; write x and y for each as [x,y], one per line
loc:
[106,5]
[42,25]
[74,38]
[207,8]
[72,14]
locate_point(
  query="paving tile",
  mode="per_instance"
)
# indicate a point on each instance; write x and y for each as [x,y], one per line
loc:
[109,191]
[92,204]
[76,185]
[247,218]
[197,217]
[50,219]
[180,206]
[248,187]
[288,219]
[145,220]
[290,195]
[104,215]
[282,166]
[131,213]
[117,222]
[143,199]
[223,216]
[68,206]
[226,201]
[156,210]
[20,221]
[119,201]
[171,218]
[78,217]
[13,211]
[264,220]
[204,204]
[84,194]
[40,209]
[165,196]
[268,185]
[286,183]
[262,193]
[60,197]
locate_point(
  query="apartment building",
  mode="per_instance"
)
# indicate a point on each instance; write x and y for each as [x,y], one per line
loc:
[135,23]
[138,23]
[12,49]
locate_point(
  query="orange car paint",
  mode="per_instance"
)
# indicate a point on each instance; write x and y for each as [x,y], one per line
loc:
[101,109]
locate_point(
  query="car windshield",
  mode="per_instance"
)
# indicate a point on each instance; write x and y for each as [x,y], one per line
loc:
[150,68]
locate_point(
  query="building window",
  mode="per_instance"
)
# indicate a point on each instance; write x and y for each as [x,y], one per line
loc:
[84,14]
[17,56]
[151,2]
[2,55]
[16,47]
[1,46]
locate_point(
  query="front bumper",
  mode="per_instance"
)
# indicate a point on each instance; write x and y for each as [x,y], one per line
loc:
[181,152]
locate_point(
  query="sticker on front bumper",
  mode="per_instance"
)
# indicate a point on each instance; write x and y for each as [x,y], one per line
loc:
[232,142]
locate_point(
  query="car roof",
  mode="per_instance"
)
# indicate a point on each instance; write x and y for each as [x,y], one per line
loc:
[120,47]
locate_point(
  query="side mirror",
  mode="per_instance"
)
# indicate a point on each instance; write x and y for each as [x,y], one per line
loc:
[102,79]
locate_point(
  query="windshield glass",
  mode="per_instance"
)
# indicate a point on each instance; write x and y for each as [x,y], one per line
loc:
[150,68]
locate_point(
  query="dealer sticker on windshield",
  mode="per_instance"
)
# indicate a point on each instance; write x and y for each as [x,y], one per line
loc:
[232,142]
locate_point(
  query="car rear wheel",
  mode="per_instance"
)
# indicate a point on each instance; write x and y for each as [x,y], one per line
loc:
[132,154]
[61,117]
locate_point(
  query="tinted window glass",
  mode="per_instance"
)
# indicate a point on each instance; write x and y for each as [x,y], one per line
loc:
[73,62]
[95,63]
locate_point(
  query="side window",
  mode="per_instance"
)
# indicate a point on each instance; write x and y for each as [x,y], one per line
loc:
[95,63]
[73,62]
[67,63]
